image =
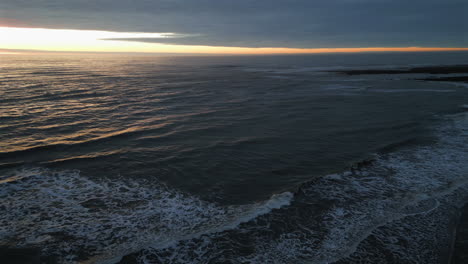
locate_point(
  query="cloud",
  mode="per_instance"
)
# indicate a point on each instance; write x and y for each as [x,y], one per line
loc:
[260,23]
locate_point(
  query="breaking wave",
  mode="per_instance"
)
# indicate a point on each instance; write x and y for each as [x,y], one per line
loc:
[382,212]
[71,216]
[391,203]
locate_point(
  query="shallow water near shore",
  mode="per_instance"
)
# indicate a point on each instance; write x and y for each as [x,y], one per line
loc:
[231,159]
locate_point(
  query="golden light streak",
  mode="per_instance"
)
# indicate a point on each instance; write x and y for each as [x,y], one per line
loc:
[8,53]
[67,40]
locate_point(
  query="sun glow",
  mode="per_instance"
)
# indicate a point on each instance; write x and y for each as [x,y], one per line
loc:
[69,40]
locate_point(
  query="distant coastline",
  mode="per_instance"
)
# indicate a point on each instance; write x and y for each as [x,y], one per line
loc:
[449,69]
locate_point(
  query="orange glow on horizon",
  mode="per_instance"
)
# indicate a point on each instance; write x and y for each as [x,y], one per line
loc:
[67,40]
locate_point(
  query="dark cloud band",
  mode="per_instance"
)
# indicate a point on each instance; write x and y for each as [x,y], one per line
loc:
[260,23]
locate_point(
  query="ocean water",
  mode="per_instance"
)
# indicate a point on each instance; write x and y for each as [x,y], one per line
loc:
[179,159]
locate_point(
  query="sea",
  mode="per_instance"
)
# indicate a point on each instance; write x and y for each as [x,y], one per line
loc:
[127,158]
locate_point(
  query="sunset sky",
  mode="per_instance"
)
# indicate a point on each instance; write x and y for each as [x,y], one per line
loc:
[231,27]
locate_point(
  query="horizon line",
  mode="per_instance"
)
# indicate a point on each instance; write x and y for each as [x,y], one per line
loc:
[247,51]
[73,40]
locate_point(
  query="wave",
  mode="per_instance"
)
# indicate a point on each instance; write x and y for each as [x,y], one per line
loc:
[66,145]
[414,91]
[333,218]
[334,87]
[465,85]
[404,142]
[79,219]
[396,200]
[84,138]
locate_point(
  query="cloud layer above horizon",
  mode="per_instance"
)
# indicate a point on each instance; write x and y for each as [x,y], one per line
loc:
[258,23]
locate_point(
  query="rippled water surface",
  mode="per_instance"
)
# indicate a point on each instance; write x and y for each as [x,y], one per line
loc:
[230,159]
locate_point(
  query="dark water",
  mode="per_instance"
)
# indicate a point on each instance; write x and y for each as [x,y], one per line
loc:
[230,159]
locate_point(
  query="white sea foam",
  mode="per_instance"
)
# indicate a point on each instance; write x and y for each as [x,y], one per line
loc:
[68,215]
[414,184]
[417,180]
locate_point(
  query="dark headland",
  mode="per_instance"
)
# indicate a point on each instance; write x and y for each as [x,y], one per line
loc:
[446,69]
